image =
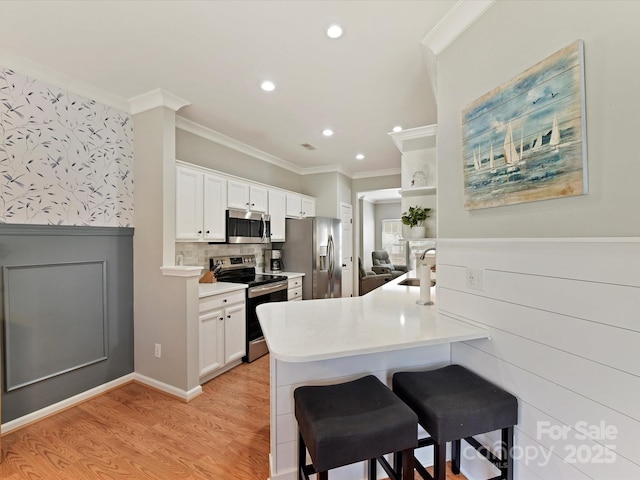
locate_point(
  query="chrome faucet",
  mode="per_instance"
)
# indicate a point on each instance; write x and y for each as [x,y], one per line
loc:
[430,249]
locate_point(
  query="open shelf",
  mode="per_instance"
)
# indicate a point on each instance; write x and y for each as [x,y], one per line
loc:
[415,191]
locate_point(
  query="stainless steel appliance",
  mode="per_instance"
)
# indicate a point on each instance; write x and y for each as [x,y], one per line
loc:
[262,289]
[248,227]
[313,247]
[273,261]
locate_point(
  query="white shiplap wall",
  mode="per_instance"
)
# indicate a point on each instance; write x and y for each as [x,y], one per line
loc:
[564,316]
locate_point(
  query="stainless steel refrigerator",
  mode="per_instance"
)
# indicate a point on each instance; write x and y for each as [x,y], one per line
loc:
[313,247]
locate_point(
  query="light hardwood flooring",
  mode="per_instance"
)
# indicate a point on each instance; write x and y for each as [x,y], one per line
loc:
[134,432]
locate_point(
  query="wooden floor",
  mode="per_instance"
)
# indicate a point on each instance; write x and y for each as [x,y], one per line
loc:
[134,432]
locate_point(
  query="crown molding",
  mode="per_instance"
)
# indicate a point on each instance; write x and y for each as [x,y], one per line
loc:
[156,98]
[376,173]
[399,138]
[217,137]
[457,20]
[334,168]
[44,74]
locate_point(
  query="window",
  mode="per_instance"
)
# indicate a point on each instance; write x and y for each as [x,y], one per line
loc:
[392,240]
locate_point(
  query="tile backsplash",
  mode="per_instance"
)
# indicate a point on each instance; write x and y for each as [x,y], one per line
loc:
[198,254]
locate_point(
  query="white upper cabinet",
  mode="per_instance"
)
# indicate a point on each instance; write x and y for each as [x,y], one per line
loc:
[215,192]
[237,195]
[308,207]
[244,196]
[258,199]
[200,206]
[277,210]
[189,204]
[294,205]
[300,206]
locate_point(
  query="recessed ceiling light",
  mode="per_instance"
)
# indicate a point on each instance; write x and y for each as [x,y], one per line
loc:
[268,86]
[360,156]
[397,128]
[327,132]
[334,31]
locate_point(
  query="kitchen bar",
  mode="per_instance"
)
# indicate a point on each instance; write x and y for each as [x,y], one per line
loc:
[333,340]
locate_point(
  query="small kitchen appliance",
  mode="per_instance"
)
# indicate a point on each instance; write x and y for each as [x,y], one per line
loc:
[273,261]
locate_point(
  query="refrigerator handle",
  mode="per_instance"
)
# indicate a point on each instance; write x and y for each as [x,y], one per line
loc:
[330,258]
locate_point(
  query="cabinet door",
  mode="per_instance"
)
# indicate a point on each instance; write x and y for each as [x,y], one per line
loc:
[188,204]
[293,206]
[237,195]
[308,207]
[258,199]
[277,210]
[215,194]
[211,341]
[234,333]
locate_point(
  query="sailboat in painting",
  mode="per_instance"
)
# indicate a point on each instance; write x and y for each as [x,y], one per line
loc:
[476,162]
[537,143]
[511,156]
[554,141]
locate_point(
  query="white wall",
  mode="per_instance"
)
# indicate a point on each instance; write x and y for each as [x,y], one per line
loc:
[561,309]
[368,237]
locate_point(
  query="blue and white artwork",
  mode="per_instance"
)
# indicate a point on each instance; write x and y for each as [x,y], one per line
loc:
[526,140]
[64,159]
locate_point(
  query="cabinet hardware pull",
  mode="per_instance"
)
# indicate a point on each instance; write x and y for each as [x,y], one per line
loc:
[225,300]
[228,316]
[221,318]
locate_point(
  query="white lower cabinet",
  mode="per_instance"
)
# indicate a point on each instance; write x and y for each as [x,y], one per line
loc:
[294,289]
[222,332]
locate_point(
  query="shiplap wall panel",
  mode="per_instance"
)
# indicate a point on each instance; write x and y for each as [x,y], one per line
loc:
[564,339]
[539,323]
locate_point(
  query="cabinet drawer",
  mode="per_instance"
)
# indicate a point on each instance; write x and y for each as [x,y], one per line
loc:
[221,301]
[295,282]
[294,293]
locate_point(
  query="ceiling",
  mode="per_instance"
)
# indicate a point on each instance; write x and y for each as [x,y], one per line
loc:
[214,54]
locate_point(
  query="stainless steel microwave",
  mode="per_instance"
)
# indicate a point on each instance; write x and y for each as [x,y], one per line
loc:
[248,227]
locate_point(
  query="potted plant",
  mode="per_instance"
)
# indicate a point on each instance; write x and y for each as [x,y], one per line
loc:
[414,218]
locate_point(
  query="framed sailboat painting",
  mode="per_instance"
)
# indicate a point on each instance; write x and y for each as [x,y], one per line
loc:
[526,140]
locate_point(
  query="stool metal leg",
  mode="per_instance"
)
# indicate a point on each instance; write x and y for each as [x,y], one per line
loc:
[507,445]
[455,456]
[373,469]
[302,456]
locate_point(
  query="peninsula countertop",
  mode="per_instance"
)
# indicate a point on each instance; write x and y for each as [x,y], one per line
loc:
[385,319]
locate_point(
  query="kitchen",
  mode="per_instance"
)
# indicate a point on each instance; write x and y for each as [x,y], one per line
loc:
[575,259]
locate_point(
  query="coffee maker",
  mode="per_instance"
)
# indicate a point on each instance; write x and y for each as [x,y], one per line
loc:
[273,261]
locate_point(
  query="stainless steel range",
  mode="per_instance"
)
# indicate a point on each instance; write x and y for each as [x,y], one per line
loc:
[261,289]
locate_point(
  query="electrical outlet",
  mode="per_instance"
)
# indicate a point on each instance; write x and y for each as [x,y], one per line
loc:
[158,350]
[475,278]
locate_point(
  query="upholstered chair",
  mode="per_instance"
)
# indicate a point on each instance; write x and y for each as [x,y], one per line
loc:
[382,264]
[370,280]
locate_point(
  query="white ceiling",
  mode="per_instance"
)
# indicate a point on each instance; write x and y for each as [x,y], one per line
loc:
[214,54]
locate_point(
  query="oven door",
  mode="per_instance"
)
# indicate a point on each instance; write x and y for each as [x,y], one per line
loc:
[271,292]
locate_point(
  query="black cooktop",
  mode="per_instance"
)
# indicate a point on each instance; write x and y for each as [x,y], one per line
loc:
[253,280]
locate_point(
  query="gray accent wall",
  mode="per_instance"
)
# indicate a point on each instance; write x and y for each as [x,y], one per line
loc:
[67,311]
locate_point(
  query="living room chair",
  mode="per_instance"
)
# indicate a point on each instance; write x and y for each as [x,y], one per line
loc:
[370,280]
[382,264]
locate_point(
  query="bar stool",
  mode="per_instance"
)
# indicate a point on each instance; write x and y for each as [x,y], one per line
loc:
[453,403]
[352,422]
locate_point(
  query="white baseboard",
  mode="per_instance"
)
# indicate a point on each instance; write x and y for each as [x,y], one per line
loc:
[169,389]
[105,387]
[66,403]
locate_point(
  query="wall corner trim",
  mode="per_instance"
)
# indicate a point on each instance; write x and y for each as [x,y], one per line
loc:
[156,98]
[186,395]
[456,21]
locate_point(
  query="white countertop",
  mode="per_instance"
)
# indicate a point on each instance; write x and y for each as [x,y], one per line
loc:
[288,274]
[207,289]
[385,319]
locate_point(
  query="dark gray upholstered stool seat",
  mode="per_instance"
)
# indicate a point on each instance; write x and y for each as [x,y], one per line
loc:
[352,422]
[453,403]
